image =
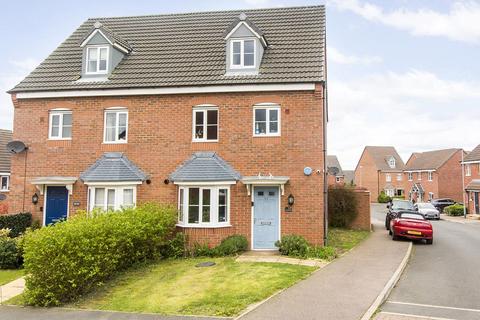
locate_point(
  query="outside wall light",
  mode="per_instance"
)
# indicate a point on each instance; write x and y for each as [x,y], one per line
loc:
[291,200]
[35,199]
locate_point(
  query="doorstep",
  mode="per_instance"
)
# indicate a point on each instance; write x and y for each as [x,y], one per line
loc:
[275,257]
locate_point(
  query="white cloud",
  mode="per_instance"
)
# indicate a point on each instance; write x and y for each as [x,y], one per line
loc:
[26,65]
[336,56]
[460,23]
[258,3]
[413,111]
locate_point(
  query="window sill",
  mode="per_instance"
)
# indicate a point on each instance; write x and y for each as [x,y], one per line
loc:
[203,226]
[59,139]
[203,141]
[266,135]
[5,190]
[113,142]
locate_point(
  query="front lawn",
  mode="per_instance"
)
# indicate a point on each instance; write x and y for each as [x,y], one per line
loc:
[178,287]
[7,276]
[344,239]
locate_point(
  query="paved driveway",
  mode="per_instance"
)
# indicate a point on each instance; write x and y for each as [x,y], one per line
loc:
[442,280]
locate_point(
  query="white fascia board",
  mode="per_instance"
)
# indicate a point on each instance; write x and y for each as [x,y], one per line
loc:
[112,183]
[423,170]
[238,26]
[471,162]
[168,90]
[91,36]
[204,183]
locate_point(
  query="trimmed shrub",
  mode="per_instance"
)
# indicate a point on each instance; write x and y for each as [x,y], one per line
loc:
[293,245]
[176,247]
[17,223]
[383,198]
[325,253]
[454,210]
[70,258]
[10,251]
[342,207]
[232,245]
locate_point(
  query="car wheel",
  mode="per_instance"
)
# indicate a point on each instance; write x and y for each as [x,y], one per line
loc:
[394,237]
[390,232]
[429,241]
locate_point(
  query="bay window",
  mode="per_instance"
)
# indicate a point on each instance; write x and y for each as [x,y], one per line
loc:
[203,206]
[110,198]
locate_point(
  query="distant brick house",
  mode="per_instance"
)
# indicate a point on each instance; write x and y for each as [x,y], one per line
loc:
[5,160]
[349,177]
[434,174]
[219,113]
[334,171]
[471,165]
[380,168]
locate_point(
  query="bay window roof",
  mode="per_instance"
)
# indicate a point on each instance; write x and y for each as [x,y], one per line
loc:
[113,167]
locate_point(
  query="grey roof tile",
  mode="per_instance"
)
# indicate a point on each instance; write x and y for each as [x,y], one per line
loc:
[113,167]
[205,166]
[473,155]
[5,156]
[332,162]
[430,159]
[189,49]
[381,154]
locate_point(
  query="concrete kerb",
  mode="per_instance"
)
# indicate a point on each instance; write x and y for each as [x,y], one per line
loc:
[389,286]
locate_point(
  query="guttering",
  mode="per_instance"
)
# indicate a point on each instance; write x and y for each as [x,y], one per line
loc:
[167,90]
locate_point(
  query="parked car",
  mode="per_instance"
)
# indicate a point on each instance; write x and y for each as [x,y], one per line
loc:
[440,204]
[427,210]
[394,207]
[411,225]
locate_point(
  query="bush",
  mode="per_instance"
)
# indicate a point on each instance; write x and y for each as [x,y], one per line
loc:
[383,198]
[10,251]
[324,253]
[454,210]
[293,245]
[342,207]
[231,245]
[17,223]
[176,247]
[70,258]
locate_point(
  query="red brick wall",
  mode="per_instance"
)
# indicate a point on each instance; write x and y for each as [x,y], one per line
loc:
[366,175]
[428,186]
[363,219]
[475,174]
[450,178]
[159,140]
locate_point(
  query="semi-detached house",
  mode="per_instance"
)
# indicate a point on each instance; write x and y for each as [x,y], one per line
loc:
[471,167]
[222,114]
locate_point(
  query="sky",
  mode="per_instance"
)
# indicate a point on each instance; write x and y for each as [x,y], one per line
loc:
[401,73]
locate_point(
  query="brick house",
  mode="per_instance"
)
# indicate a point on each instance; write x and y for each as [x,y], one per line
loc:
[471,164]
[5,159]
[334,171]
[219,113]
[380,168]
[434,174]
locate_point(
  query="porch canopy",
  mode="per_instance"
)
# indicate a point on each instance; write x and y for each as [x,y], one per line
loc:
[474,185]
[205,168]
[41,182]
[269,180]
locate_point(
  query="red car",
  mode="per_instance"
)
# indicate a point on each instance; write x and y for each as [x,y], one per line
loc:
[411,225]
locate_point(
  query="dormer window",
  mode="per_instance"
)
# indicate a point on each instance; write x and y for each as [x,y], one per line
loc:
[97,60]
[243,53]
[391,162]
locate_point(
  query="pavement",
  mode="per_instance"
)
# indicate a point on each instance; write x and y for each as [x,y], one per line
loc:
[344,289]
[442,281]
[12,289]
[275,257]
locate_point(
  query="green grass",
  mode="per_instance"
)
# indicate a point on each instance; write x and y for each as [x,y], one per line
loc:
[9,275]
[344,239]
[178,287]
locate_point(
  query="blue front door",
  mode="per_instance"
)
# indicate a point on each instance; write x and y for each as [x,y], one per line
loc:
[56,204]
[265,217]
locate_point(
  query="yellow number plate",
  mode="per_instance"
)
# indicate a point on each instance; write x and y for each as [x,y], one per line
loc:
[417,233]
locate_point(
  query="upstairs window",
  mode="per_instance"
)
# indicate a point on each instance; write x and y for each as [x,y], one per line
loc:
[429,176]
[116,126]
[419,175]
[205,123]
[468,170]
[4,183]
[97,60]
[242,53]
[60,127]
[410,176]
[266,120]
[399,177]
[388,177]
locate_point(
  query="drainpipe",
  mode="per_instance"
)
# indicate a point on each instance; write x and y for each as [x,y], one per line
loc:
[463,189]
[325,121]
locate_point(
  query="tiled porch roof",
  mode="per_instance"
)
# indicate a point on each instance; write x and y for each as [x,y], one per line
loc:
[113,167]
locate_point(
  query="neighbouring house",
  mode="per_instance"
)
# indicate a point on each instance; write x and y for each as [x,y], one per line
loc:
[434,174]
[349,177]
[471,164]
[380,168]
[334,171]
[5,160]
[222,114]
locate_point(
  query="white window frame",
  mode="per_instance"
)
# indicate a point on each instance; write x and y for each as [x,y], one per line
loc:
[388,177]
[429,175]
[7,177]
[399,176]
[242,54]
[214,204]
[99,47]
[430,196]
[60,113]
[410,176]
[268,107]
[204,109]
[390,192]
[391,162]
[118,195]
[337,179]
[419,175]
[117,111]
[468,170]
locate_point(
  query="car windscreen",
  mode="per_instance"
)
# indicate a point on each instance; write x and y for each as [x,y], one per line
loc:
[411,216]
[425,206]
[399,205]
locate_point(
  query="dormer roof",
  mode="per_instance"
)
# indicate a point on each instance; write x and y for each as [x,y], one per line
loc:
[242,19]
[114,39]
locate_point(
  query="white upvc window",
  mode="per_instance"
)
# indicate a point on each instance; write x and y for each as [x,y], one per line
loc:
[97,60]
[388,177]
[205,123]
[399,176]
[4,183]
[204,206]
[60,124]
[390,192]
[391,162]
[116,125]
[430,176]
[419,175]
[468,170]
[242,53]
[266,120]
[111,197]
[430,196]
[410,176]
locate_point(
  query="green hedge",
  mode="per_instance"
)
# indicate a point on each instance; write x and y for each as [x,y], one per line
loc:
[17,223]
[383,198]
[342,206]
[297,246]
[68,259]
[231,245]
[454,210]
